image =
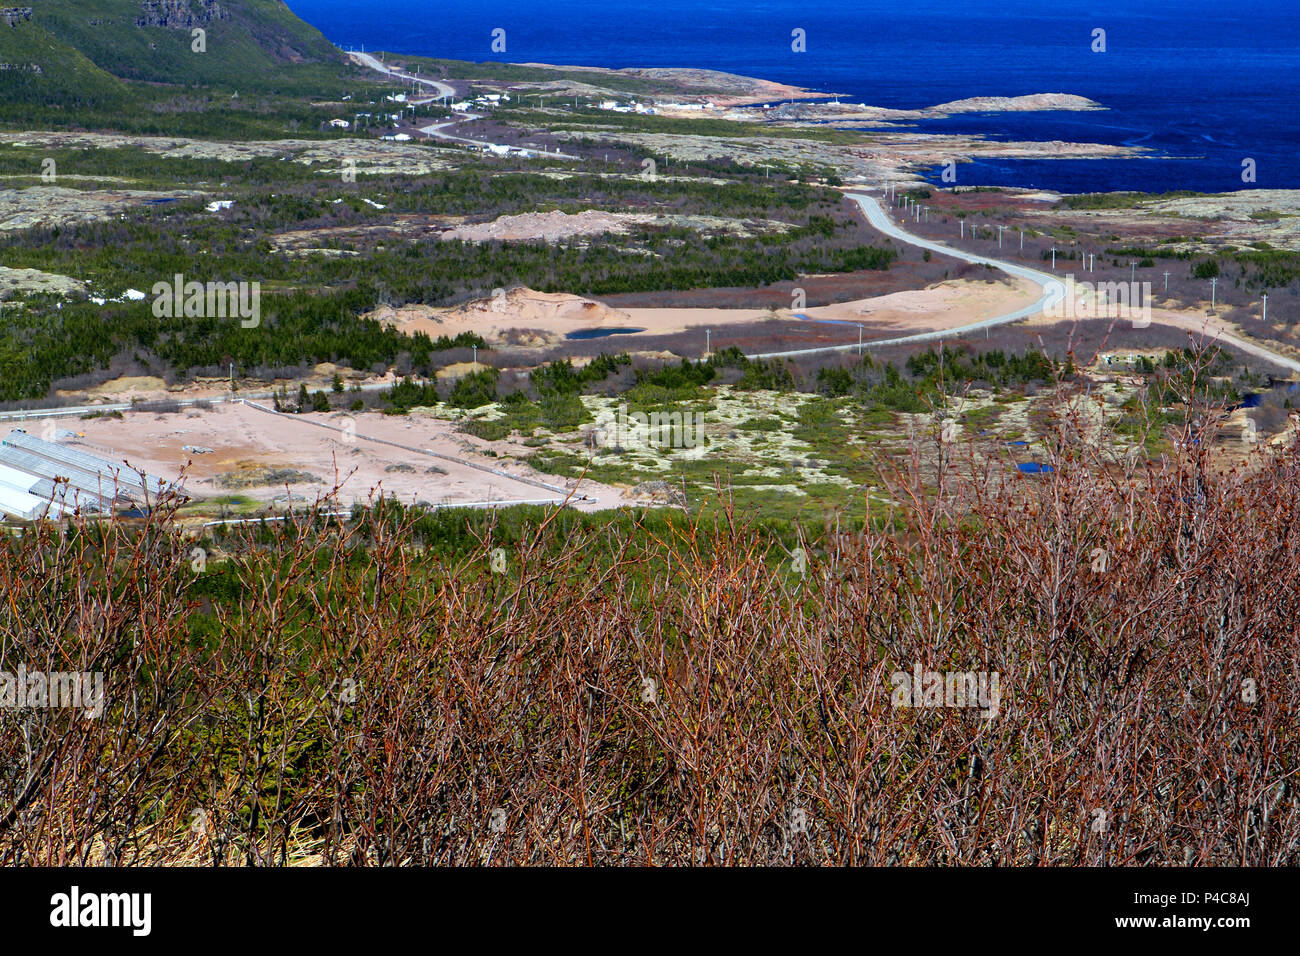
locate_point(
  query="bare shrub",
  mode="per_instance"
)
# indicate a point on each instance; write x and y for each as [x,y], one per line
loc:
[329,690]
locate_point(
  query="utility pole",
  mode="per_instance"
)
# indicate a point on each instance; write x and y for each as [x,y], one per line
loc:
[1265,316]
[708,342]
[1166,281]
[1053,257]
[860,329]
[1214,286]
[1000,228]
[475,347]
[1022,240]
[963,227]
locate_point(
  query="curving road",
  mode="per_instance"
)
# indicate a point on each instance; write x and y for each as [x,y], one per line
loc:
[366,59]
[1053,288]
[436,130]
[1053,291]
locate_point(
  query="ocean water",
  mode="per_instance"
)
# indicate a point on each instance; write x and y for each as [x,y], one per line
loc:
[1203,84]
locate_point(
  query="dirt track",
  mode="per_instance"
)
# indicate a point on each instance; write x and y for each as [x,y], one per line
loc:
[243,438]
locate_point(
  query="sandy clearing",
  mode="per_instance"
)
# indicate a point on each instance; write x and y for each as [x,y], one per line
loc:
[124,388]
[148,388]
[557,225]
[494,316]
[940,306]
[241,434]
[943,305]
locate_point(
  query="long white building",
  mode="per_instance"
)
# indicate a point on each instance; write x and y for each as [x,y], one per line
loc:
[44,479]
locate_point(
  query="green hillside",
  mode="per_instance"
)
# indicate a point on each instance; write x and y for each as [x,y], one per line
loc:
[99,54]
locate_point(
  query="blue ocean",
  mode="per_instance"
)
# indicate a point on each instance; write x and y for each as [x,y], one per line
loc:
[1202,84]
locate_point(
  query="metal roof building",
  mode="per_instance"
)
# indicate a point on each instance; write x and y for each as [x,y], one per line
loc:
[40,478]
[89,485]
[118,476]
[19,504]
[19,480]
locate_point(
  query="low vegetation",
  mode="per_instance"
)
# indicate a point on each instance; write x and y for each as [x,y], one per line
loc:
[657,688]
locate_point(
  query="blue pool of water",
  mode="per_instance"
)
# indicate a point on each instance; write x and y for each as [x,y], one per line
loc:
[600,333]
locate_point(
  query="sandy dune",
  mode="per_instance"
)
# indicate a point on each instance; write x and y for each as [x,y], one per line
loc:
[942,305]
[491,317]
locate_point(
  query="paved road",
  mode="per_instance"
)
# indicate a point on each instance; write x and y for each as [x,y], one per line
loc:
[1208,327]
[440,89]
[1053,288]
[1053,291]
[438,130]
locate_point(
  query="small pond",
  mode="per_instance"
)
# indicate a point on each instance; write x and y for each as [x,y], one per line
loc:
[600,333]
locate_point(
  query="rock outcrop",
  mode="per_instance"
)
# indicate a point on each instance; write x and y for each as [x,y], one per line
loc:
[179,14]
[15,15]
